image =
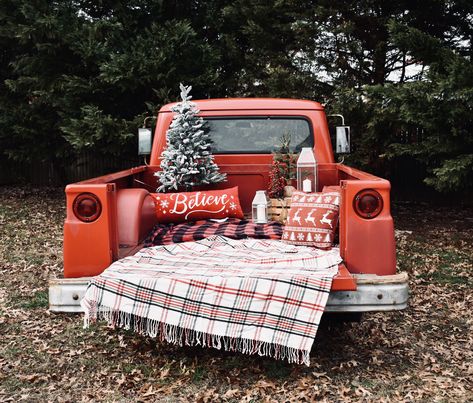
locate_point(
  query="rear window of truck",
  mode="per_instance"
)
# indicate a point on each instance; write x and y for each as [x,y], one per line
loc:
[258,135]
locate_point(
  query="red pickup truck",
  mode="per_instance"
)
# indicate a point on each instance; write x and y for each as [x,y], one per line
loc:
[110,216]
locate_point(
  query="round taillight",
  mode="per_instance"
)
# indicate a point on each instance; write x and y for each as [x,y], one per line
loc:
[87,207]
[368,203]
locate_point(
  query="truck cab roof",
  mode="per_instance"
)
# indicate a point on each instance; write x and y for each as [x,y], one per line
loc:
[222,104]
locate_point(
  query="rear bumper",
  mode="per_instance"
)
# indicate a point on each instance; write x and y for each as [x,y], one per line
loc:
[373,293]
[65,294]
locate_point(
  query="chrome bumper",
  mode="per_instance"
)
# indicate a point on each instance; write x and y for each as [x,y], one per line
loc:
[374,293]
[65,294]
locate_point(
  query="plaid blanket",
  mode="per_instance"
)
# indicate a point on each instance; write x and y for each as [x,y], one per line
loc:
[254,296]
[193,231]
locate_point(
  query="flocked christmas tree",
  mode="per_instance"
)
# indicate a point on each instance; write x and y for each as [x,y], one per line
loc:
[187,160]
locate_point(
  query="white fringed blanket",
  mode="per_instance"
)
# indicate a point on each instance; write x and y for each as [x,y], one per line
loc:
[254,296]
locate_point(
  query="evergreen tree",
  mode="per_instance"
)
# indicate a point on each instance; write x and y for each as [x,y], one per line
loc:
[430,120]
[262,46]
[187,160]
[408,124]
[80,76]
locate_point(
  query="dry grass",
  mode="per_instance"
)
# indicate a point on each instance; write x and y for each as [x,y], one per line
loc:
[424,353]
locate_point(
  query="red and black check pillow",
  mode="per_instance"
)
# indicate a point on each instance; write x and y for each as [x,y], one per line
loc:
[312,219]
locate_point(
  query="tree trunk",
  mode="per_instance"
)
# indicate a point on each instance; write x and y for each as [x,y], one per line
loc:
[379,63]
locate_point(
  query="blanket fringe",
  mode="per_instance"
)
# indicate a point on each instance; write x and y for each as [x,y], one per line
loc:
[181,336]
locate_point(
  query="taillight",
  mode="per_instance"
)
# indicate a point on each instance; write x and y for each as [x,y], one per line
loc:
[87,207]
[368,203]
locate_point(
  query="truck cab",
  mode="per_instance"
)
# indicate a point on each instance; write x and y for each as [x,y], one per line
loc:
[110,216]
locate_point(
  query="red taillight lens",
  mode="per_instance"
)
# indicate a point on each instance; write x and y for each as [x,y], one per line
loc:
[87,207]
[368,203]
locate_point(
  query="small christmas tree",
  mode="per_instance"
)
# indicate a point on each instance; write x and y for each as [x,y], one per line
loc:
[287,159]
[187,160]
[276,181]
[282,168]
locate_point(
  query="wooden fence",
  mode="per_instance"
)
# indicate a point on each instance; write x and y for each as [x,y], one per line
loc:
[41,173]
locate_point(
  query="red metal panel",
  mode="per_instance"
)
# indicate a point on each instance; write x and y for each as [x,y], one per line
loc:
[113,176]
[251,104]
[343,281]
[135,216]
[367,245]
[90,247]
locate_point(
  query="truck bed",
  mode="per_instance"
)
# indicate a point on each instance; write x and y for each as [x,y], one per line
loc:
[342,281]
[367,246]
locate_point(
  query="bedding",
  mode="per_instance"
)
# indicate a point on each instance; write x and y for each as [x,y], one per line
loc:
[254,296]
[234,228]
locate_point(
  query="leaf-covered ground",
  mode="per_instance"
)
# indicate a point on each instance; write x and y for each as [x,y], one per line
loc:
[424,353]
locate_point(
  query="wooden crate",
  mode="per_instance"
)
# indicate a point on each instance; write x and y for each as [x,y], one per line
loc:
[279,209]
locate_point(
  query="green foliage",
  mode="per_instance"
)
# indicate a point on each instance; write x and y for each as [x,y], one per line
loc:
[82,75]
[79,76]
[436,110]
[94,129]
[425,118]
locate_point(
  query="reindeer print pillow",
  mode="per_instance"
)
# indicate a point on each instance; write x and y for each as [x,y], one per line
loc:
[312,219]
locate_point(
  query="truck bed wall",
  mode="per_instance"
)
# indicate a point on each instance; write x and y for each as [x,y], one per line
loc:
[367,245]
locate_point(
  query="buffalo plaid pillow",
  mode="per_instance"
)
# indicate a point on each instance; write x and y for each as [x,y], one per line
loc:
[312,219]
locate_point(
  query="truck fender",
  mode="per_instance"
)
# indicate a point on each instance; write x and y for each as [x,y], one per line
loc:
[135,216]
